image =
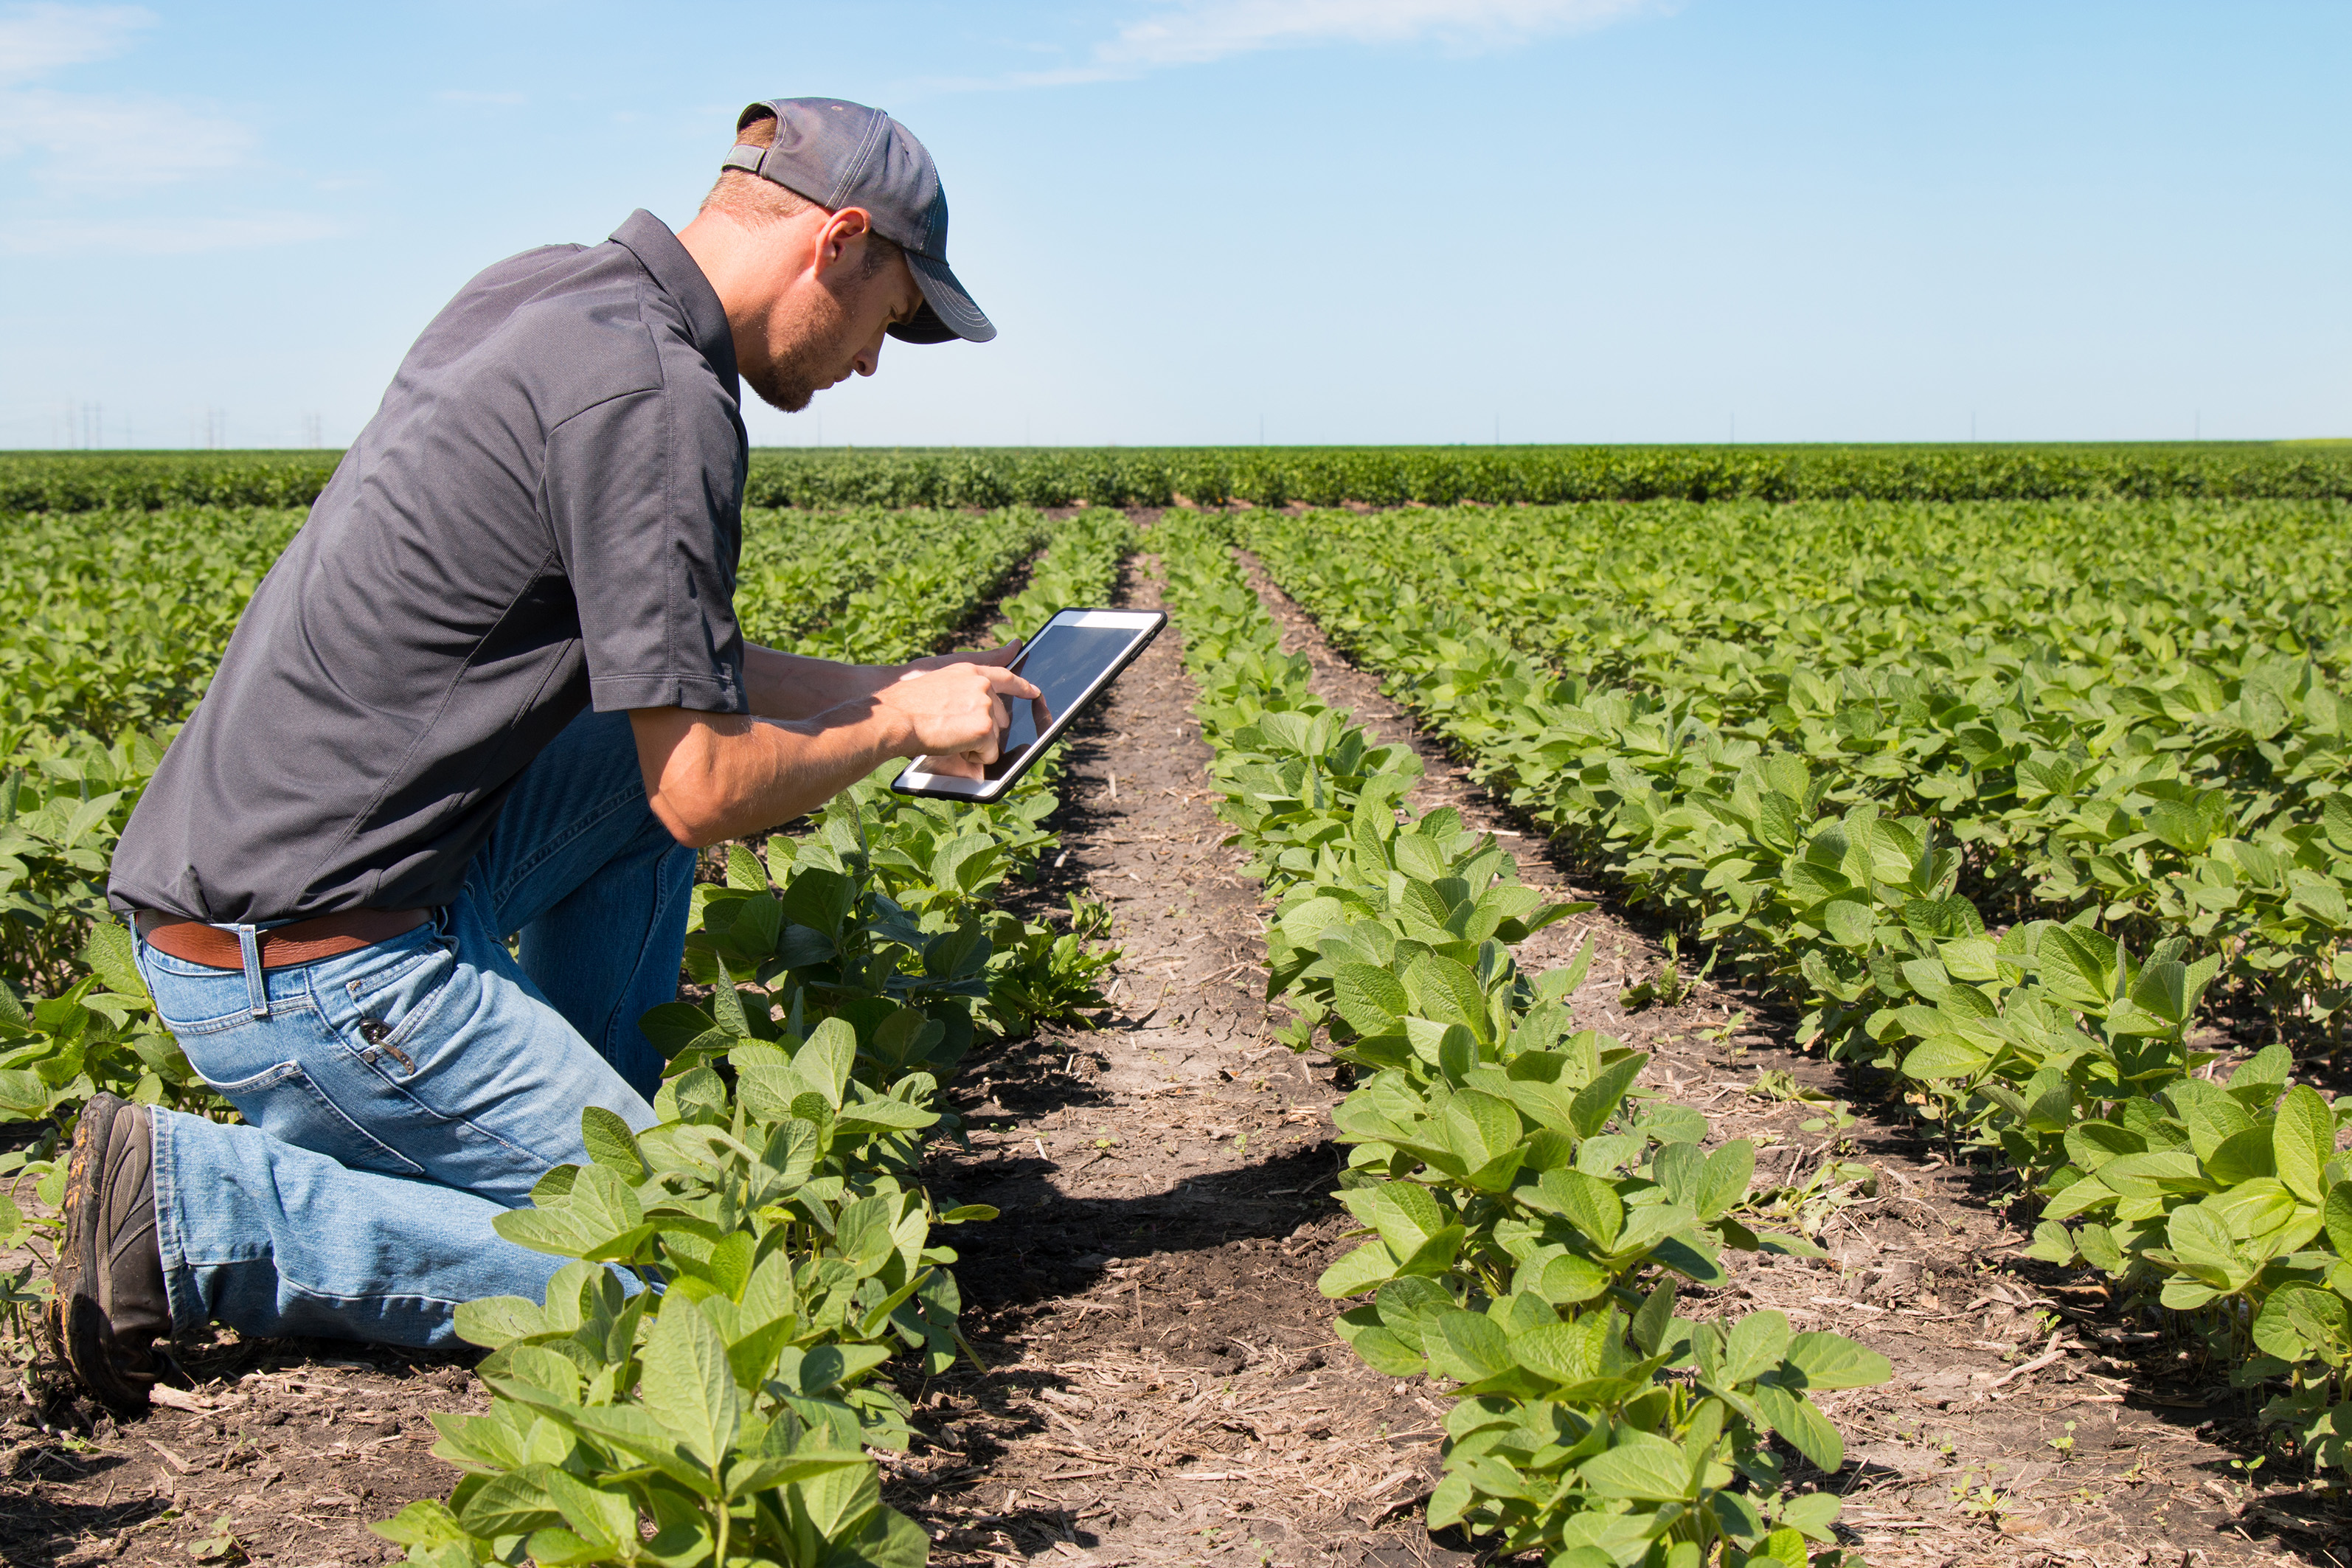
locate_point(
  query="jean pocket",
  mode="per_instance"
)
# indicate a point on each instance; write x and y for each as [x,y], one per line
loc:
[192,1000]
[390,1003]
[285,1102]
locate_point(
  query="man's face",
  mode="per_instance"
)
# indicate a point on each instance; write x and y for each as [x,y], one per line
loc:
[832,323]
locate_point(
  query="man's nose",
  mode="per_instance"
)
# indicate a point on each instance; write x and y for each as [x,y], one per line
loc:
[871,360]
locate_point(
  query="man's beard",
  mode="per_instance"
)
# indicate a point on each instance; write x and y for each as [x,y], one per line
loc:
[789,383]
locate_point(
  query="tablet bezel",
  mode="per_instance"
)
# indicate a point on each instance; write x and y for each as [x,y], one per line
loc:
[1145,624]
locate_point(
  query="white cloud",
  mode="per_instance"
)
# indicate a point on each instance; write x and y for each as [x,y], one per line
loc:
[116,139]
[1203,30]
[160,236]
[1195,32]
[38,39]
[110,139]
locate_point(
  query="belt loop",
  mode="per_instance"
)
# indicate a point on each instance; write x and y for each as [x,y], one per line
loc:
[257,989]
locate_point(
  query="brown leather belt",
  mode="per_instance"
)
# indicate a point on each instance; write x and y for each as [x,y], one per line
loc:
[303,942]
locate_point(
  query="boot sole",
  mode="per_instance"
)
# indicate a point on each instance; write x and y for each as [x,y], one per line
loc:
[78,1318]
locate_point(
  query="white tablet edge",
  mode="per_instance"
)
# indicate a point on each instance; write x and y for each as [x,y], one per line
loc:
[987,789]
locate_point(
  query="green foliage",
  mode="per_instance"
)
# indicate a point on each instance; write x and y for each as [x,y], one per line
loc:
[872,587]
[727,1414]
[151,481]
[111,623]
[101,1034]
[2158,750]
[1527,1208]
[1847,741]
[726,1409]
[1320,476]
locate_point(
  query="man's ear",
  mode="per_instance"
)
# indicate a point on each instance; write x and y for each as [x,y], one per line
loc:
[840,230]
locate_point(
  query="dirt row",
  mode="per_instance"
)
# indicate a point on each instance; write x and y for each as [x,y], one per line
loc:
[1162,1384]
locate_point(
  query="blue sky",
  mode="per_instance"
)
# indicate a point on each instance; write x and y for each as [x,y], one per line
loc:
[1199,220]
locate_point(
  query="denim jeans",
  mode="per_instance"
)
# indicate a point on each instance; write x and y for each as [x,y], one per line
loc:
[397,1098]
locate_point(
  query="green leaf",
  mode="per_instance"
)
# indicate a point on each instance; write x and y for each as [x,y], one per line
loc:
[1558,984]
[1812,1515]
[1945,1056]
[599,1219]
[1806,1428]
[610,1142]
[1369,998]
[1449,993]
[827,1059]
[2302,1141]
[1403,1213]
[1358,1271]
[1729,1172]
[1468,1347]
[883,1114]
[2337,1214]
[1755,1345]
[425,1523]
[1586,1201]
[495,1320]
[688,1385]
[2078,967]
[1832,1361]
[1598,1100]
[744,873]
[107,950]
[513,1504]
[1570,1352]
[1642,1467]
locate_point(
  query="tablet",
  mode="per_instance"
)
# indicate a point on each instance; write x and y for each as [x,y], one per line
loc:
[1070,662]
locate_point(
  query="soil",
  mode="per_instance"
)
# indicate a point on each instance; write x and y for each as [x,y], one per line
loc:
[1163,1385]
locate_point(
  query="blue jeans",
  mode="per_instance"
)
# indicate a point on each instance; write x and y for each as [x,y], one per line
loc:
[397,1098]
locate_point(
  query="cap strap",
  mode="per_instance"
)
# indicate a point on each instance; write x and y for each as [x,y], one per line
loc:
[744,156]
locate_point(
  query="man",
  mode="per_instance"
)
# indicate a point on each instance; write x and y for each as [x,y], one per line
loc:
[496,686]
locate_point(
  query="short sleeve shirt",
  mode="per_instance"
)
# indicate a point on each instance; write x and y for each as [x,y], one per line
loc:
[544,514]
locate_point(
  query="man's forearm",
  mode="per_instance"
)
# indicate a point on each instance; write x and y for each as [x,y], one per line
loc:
[790,685]
[815,728]
[721,776]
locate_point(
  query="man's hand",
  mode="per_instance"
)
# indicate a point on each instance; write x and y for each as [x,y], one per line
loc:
[954,704]
[714,777]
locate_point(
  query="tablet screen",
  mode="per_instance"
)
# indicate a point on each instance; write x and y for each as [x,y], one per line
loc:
[1061,663]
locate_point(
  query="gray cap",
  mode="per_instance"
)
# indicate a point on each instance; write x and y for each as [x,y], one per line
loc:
[842,154]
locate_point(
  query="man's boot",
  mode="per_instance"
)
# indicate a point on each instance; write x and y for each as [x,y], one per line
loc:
[110,1305]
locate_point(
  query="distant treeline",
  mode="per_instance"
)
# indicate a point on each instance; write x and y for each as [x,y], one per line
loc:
[1321,475]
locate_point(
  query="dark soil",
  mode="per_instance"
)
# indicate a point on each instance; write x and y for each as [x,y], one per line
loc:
[283,1449]
[1162,1382]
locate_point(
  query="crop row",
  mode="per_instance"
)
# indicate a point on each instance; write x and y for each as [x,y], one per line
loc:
[2007,858]
[1320,476]
[1531,1213]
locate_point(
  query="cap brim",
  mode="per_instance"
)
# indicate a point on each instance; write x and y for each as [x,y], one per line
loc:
[947,311]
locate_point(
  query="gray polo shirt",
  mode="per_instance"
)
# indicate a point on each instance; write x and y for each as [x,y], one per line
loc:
[544,513]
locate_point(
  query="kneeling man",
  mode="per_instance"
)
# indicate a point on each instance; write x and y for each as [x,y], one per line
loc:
[495,687]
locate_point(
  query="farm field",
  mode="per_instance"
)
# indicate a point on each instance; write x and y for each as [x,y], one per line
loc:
[1797,1026]
[1320,476]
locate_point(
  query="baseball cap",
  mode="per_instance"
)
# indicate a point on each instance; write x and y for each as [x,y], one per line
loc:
[842,154]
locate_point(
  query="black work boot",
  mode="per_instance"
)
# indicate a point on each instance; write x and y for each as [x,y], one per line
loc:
[109,1306]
